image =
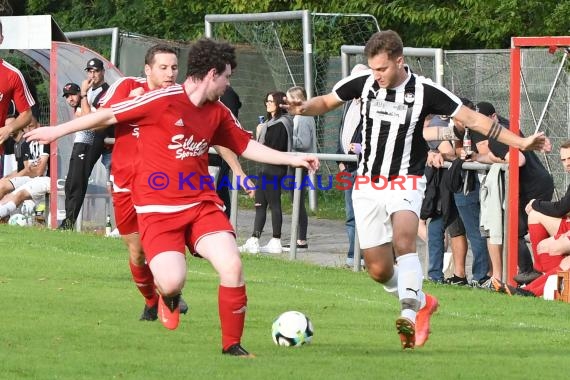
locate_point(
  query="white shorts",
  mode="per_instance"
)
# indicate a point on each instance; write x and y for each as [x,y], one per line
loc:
[37,187]
[19,181]
[373,208]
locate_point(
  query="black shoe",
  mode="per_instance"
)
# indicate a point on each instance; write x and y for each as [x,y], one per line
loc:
[484,283]
[183,306]
[521,292]
[237,350]
[456,280]
[525,278]
[65,225]
[149,313]
[287,247]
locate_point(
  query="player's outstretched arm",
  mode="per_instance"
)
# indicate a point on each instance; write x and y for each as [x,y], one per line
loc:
[314,106]
[490,128]
[103,116]
[231,158]
[260,153]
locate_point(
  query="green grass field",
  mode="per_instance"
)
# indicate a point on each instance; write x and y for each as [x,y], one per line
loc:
[70,311]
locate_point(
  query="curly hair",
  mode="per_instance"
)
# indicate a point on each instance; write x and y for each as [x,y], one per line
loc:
[158,49]
[206,54]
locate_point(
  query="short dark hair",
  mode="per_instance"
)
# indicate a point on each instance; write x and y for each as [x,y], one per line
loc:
[565,144]
[468,103]
[386,41]
[158,49]
[206,54]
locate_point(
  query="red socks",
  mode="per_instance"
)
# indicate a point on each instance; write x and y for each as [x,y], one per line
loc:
[537,233]
[232,304]
[142,276]
[537,286]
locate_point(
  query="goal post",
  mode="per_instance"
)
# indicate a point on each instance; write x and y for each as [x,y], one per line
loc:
[522,117]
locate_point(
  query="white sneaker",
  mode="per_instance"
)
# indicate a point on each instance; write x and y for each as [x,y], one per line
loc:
[251,245]
[273,246]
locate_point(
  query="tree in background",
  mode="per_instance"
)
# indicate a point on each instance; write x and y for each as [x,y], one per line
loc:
[448,24]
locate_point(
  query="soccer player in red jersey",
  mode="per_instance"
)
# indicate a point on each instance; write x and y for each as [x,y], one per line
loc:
[13,87]
[161,69]
[175,207]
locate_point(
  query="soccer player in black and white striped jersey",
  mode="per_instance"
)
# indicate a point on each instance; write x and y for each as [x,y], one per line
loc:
[389,187]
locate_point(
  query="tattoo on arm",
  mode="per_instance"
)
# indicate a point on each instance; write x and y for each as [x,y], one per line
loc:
[494,131]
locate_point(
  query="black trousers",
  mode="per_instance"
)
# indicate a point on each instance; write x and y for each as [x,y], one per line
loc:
[83,159]
[268,194]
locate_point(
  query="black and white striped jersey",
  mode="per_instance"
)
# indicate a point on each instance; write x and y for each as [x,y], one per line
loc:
[392,140]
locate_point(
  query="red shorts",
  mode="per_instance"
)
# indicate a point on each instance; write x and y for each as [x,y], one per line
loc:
[161,232]
[545,262]
[125,214]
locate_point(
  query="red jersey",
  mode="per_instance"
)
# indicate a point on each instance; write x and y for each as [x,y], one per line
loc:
[171,167]
[12,87]
[126,134]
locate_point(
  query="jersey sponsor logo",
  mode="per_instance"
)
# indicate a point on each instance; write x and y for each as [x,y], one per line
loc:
[81,156]
[136,131]
[409,97]
[187,147]
[179,123]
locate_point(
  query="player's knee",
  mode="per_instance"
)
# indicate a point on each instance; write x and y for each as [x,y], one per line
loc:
[403,246]
[169,285]
[232,272]
[379,271]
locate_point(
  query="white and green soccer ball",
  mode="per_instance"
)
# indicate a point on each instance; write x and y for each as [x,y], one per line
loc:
[18,220]
[292,329]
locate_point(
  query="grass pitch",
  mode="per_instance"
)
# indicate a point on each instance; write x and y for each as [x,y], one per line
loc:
[70,311]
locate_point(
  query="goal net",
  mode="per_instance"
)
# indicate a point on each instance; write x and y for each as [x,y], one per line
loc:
[282,49]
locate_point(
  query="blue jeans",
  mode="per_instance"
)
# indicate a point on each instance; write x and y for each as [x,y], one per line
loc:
[349,212]
[469,211]
[436,248]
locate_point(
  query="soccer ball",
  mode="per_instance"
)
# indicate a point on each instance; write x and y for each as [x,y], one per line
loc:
[17,220]
[292,329]
[27,207]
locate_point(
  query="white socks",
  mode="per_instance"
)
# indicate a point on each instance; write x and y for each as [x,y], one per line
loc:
[7,208]
[410,278]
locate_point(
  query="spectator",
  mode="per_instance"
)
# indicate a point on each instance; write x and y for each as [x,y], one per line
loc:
[350,142]
[548,227]
[305,141]
[13,87]
[469,208]
[32,181]
[534,183]
[442,203]
[275,133]
[87,146]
